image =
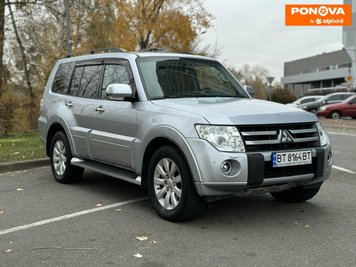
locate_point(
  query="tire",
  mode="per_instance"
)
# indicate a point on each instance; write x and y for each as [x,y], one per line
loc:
[297,194]
[60,156]
[170,186]
[335,115]
[354,117]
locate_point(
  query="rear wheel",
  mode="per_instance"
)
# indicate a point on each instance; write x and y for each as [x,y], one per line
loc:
[297,194]
[60,157]
[335,115]
[170,186]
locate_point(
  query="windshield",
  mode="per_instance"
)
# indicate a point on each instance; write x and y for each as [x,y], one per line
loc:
[167,77]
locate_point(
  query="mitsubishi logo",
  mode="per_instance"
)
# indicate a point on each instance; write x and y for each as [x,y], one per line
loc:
[286,137]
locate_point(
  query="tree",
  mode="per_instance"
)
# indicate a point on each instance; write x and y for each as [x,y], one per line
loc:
[141,24]
[2,40]
[282,95]
[255,76]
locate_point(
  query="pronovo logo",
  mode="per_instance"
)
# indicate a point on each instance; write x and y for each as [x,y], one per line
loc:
[318,15]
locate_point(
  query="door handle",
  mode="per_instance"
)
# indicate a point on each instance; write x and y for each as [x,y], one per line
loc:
[69,104]
[100,109]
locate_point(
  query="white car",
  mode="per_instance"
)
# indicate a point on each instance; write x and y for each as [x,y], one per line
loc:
[305,99]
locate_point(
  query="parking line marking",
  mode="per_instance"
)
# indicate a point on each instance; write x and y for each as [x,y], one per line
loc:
[343,169]
[345,134]
[68,216]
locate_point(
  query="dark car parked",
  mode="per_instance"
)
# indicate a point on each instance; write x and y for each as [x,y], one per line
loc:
[328,99]
[347,108]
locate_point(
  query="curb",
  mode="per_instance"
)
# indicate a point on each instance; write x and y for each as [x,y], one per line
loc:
[23,165]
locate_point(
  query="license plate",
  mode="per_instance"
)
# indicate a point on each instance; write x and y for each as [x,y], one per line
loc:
[292,158]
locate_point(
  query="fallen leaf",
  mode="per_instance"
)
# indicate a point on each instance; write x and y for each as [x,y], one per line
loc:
[8,250]
[19,189]
[153,242]
[306,226]
[99,205]
[1,212]
[16,153]
[118,210]
[141,238]
[138,255]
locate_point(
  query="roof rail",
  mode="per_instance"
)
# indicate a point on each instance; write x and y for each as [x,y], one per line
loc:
[153,50]
[95,51]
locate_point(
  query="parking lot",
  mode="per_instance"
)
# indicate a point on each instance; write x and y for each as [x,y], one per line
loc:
[103,221]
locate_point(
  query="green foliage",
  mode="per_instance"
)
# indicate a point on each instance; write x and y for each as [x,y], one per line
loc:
[23,147]
[283,96]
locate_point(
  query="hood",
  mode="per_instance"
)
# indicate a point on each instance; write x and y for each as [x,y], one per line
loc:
[236,111]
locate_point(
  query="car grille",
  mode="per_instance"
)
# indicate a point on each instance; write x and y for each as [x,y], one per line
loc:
[279,137]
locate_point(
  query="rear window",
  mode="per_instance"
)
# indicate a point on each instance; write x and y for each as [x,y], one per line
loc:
[62,78]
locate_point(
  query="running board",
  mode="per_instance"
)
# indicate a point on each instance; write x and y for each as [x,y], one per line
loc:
[109,170]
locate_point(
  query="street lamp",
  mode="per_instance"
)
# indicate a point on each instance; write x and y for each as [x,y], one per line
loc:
[269,80]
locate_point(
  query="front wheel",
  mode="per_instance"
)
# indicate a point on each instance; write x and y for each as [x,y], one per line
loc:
[170,186]
[297,194]
[60,157]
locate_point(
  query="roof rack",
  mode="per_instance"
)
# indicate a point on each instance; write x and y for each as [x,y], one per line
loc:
[153,50]
[95,51]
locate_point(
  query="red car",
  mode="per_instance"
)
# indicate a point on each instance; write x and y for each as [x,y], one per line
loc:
[347,108]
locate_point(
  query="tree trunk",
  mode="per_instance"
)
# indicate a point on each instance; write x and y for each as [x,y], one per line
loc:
[2,40]
[26,70]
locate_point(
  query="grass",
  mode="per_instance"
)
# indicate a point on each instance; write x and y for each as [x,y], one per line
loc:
[21,147]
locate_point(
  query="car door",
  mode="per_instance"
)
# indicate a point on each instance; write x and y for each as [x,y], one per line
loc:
[114,121]
[81,99]
[350,108]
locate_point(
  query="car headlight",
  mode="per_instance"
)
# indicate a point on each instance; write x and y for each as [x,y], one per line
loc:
[322,108]
[324,139]
[223,138]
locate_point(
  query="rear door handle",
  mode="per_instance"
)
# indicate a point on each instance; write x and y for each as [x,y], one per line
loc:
[100,109]
[69,104]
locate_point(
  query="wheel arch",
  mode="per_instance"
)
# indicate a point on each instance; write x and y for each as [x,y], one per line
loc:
[57,126]
[176,140]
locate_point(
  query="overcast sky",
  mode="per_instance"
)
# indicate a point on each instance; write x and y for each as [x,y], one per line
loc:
[253,32]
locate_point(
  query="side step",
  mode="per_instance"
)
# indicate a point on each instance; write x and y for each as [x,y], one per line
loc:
[113,171]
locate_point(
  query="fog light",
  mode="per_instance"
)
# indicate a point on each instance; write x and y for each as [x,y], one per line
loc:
[225,167]
[330,157]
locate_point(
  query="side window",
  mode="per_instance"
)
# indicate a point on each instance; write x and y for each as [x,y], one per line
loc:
[74,89]
[90,81]
[85,82]
[114,73]
[334,97]
[62,78]
[343,97]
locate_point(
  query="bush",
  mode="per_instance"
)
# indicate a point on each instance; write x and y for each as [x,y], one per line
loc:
[8,106]
[282,96]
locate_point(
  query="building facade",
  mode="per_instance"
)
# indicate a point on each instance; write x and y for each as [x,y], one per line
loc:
[318,74]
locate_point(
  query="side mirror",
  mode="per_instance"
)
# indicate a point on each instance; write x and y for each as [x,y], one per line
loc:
[118,91]
[250,90]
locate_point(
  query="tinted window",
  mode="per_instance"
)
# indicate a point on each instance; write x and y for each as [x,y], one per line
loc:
[62,78]
[90,81]
[343,97]
[114,74]
[74,89]
[85,82]
[334,97]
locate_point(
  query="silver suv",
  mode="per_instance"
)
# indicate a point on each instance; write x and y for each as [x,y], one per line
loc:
[180,126]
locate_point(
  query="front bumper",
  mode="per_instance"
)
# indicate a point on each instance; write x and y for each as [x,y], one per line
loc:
[253,170]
